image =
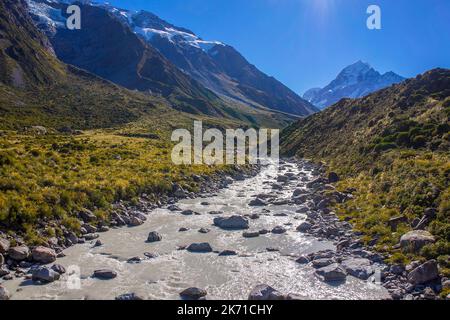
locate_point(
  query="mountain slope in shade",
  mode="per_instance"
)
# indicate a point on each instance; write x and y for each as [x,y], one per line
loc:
[216,65]
[355,81]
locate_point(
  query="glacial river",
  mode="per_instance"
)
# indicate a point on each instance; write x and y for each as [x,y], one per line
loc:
[223,277]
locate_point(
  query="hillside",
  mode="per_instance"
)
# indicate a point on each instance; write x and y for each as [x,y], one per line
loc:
[392,147]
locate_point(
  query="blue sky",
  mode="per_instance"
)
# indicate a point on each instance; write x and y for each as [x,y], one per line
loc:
[305,43]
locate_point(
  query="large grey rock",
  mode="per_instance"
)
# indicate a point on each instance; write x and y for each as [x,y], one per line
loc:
[320,263]
[104,274]
[4,245]
[154,237]
[358,267]
[304,227]
[43,255]
[87,215]
[413,241]
[135,221]
[257,203]
[332,273]
[4,294]
[233,222]
[265,292]
[44,274]
[19,253]
[424,273]
[193,294]
[199,247]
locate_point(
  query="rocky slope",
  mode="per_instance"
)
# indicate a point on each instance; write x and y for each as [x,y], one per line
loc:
[355,81]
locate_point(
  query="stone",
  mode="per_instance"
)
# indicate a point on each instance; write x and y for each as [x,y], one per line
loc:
[2,259]
[135,221]
[199,247]
[4,245]
[87,215]
[429,294]
[4,294]
[43,255]
[173,207]
[265,292]
[424,273]
[332,273]
[187,212]
[302,260]
[299,192]
[413,241]
[279,230]
[263,231]
[91,236]
[193,294]
[333,177]
[183,229]
[232,223]
[358,267]
[154,237]
[397,269]
[134,260]
[129,297]
[104,274]
[19,253]
[257,203]
[304,227]
[89,228]
[320,263]
[3,271]
[282,179]
[227,253]
[251,234]
[58,268]
[45,275]
[203,230]
[98,243]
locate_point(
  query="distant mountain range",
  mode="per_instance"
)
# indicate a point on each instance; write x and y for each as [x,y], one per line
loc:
[138,50]
[355,81]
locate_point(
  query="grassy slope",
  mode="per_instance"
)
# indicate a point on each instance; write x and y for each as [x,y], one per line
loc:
[393,148]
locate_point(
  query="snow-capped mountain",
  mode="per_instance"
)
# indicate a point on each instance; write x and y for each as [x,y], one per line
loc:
[215,65]
[354,81]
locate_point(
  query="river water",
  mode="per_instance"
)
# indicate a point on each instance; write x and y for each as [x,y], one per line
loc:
[227,277]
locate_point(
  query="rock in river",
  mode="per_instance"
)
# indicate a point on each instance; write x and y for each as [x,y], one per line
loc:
[43,255]
[128,297]
[250,234]
[332,273]
[199,247]
[193,294]
[4,294]
[226,253]
[257,203]
[265,292]
[233,222]
[45,275]
[279,230]
[154,237]
[304,227]
[358,267]
[104,274]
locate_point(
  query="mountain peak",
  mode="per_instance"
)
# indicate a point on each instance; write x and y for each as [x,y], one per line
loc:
[354,81]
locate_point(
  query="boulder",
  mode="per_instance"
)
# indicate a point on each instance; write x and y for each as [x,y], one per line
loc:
[251,234]
[203,230]
[104,274]
[232,223]
[199,247]
[43,255]
[227,253]
[187,212]
[333,177]
[304,227]
[332,273]
[154,237]
[19,253]
[302,260]
[135,221]
[424,273]
[4,294]
[58,268]
[45,275]
[279,230]
[282,179]
[193,294]
[87,215]
[265,292]
[413,241]
[129,297]
[4,245]
[257,203]
[358,267]
[183,229]
[320,263]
